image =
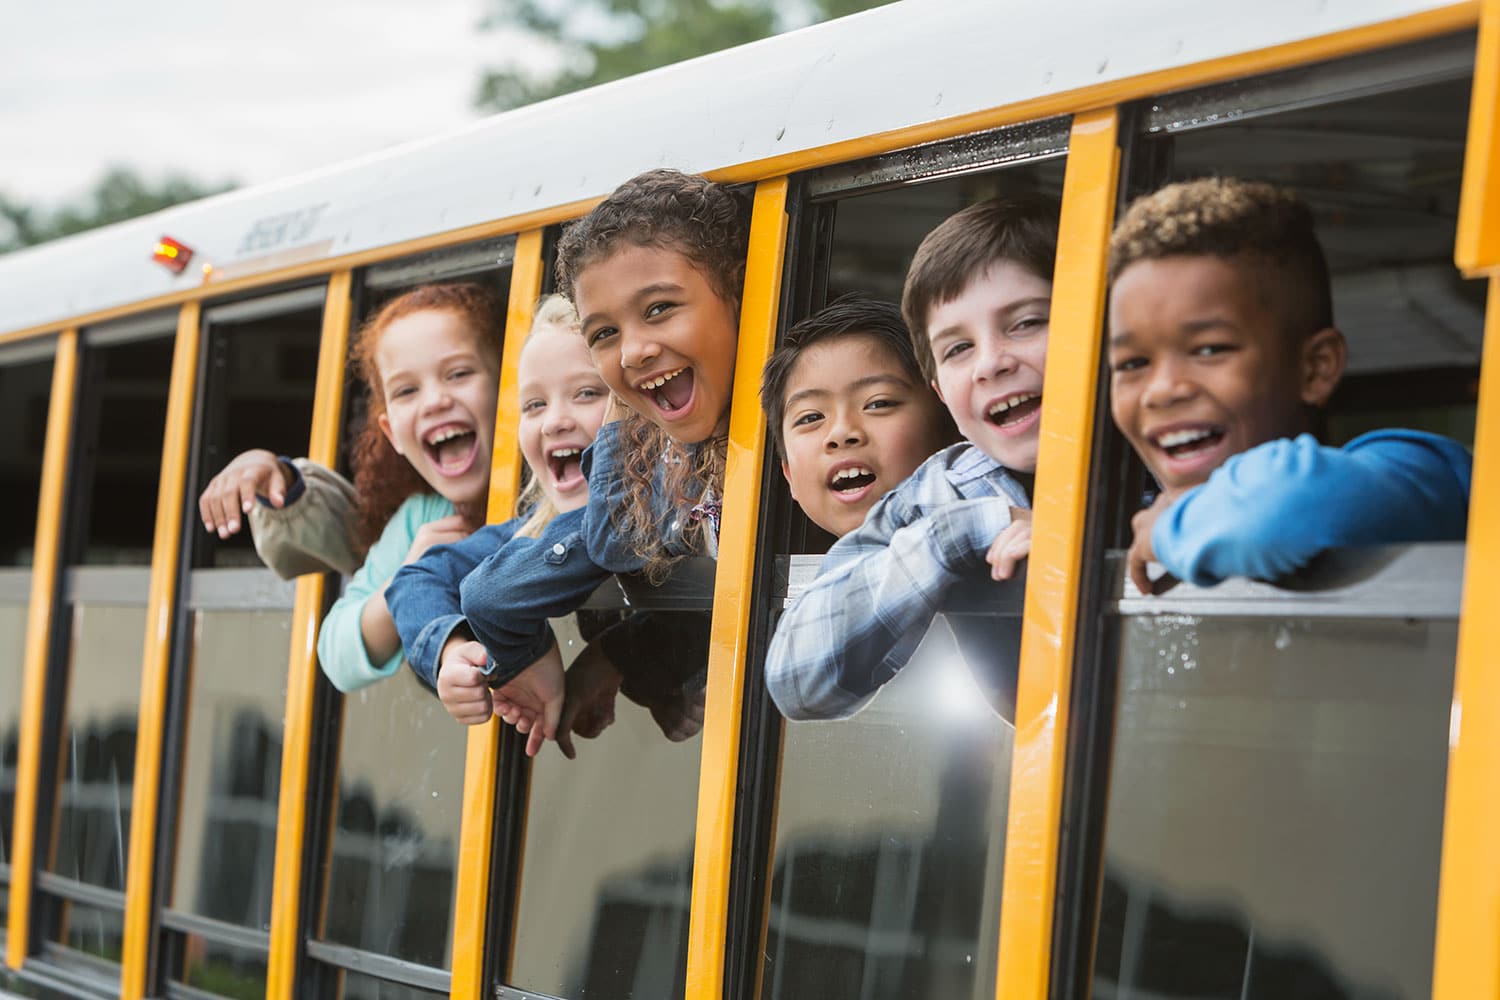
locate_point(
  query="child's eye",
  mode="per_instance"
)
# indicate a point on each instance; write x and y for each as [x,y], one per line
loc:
[1129,364]
[532,405]
[1209,350]
[954,349]
[1030,324]
[655,309]
[885,403]
[405,390]
[600,334]
[458,373]
[589,392]
[810,417]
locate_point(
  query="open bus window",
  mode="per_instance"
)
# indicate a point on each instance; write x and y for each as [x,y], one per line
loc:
[394,759]
[25,390]
[1275,791]
[889,830]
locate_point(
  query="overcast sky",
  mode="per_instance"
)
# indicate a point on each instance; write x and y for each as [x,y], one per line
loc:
[242,91]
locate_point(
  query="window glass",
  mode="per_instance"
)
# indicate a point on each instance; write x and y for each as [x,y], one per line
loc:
[258,393]
[118,451]
[25,390]
[357,987]
[395,833]
[223,970]
[98,741]
[1275,807]
[890,841]
[88,929]
[608,855]
[231,776]
[890,825]
[12,645]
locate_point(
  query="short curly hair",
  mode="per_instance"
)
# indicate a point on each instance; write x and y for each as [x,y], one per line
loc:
[1230,218]
[702,220]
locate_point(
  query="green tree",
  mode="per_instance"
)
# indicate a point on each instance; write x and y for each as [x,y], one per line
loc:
[119,194]
[603,40]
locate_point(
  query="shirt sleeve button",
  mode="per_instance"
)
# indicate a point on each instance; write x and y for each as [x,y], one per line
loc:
[559,549]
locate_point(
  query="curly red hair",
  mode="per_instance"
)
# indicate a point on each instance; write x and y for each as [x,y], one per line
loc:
[382,478]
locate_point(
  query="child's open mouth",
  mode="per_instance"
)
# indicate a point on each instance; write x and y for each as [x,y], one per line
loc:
[452,448]
[851,483]
[670,391]
[1015,412]
[565,464]
[1187,442]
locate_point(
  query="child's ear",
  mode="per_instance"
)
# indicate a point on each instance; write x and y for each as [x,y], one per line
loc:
[786,473]
[1324,355]
[939,390]
[385,428]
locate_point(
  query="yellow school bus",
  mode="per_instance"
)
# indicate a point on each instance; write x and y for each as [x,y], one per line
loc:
[1248,791]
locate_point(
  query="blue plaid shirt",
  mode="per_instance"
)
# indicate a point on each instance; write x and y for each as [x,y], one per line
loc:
[880,585]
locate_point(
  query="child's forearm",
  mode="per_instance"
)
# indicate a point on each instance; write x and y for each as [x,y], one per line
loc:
[378,630]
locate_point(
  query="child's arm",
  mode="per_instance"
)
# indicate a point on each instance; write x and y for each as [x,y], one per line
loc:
[423,596]
[308,528]
[1268,511]
[508,598]
[350,653]
[602,464]
[874,597]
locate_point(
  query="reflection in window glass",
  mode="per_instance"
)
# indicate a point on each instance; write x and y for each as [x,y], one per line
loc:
[608,860]
[226,843]
[358,987]
[118,449]
[12,645]
[224,970]
[1275,808]
[25,390]
[93,931]
[395,837]
[98,743]
[890,838]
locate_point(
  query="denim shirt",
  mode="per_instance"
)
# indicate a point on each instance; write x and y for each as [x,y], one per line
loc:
[512,586]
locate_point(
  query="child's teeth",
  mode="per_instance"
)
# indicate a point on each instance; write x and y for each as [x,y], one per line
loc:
[1176,438]
[1006,404]
[851,473]
[566,452]
[657,383]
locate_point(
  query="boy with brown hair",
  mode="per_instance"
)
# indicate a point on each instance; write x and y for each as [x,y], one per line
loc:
[1223,353]
[977,301]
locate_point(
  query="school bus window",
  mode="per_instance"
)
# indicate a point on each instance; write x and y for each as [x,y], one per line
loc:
[259,360]
[116,465]
[393,788]
[1307,748]
[868,898]
[25,388]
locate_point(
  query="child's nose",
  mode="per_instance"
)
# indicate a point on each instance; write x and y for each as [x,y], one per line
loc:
[1167,386]
[636,350]
[844,431]
[995,359]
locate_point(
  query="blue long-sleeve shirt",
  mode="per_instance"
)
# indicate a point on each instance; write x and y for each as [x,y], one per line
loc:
[1268,511]
[511,586]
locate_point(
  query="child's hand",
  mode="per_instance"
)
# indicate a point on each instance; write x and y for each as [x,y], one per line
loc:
[462,686]
[681,716]
[231,494]
[532,701]
[589,705]
[443,531]
[1010,546]
[1141,552]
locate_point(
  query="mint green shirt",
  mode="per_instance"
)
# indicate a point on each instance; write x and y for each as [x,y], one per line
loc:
[341,647]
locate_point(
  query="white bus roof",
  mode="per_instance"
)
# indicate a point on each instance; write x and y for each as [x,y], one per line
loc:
[904,65]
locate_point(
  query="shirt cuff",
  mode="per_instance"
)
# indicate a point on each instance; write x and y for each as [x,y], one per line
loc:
[293,492]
